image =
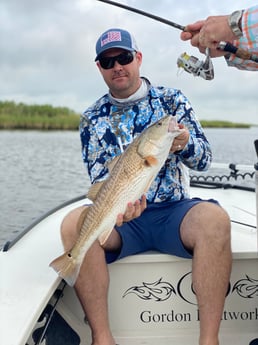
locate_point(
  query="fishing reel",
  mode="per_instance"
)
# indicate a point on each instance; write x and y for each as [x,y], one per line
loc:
[193,65]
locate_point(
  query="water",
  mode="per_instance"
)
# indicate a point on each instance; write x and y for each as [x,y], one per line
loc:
[233,145]
[40,170]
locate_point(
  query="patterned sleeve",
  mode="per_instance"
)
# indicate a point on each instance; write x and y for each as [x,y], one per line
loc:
[249,40]
[92,150]
[197,153]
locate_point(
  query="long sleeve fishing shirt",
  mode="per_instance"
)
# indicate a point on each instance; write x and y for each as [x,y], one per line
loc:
[249,40]
[108,127]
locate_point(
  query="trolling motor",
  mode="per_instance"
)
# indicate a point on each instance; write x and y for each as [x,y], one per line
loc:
[191,64]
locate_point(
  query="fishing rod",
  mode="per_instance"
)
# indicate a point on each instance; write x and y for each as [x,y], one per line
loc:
[190,63]
[225,46]
[146,14]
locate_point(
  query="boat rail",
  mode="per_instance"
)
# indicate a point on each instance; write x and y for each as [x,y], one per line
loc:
[220,175]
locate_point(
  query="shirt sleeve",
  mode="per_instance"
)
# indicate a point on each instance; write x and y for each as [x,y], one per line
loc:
[93,154]
[249,40]
[197,154]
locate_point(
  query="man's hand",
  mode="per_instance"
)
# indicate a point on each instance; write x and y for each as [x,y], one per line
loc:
[132,211]
[181,140]
[191,30]
[208,34]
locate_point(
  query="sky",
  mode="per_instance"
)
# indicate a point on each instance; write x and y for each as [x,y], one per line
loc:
[47,52]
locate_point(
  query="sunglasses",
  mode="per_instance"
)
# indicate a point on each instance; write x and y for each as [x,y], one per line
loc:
[123,59]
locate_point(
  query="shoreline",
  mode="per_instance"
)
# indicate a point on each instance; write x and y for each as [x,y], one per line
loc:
[74,127]
[20,116]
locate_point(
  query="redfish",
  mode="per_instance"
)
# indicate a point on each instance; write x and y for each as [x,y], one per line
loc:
[130,177]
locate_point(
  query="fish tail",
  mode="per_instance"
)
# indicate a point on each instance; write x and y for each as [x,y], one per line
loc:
[67,267]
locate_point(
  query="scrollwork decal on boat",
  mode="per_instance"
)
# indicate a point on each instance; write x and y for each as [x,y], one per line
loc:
[185,289]
[246,288]
[157,291]
[160,291]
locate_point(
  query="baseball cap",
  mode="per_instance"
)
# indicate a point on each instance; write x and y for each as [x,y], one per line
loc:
[115,38]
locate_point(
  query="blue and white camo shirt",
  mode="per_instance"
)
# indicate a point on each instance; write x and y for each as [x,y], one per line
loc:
[107,127]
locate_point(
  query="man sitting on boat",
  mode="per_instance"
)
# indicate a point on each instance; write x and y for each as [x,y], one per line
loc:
[166,219]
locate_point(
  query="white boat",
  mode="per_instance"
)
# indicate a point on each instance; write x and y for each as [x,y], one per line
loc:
[151,298]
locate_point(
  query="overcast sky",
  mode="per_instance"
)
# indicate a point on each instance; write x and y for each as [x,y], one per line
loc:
[47,51]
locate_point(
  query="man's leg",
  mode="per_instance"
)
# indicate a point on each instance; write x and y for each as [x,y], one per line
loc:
[93,281]
[206,230]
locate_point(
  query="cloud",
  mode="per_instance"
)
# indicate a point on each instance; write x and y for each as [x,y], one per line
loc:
[48,50]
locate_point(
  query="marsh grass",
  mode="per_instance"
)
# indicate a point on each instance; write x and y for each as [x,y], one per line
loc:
[223,124]
[47,117]
[43,117]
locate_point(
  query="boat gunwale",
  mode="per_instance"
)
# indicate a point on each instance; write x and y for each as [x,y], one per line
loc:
[9,244]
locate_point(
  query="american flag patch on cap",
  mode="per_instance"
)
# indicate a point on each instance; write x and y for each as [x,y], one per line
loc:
[111,36]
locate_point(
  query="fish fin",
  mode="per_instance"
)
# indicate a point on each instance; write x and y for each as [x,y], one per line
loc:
[67,267]
[93,191]
[82,218]
[150,161]
[104,236]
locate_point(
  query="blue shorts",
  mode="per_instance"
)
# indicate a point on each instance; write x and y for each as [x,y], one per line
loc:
[158,228]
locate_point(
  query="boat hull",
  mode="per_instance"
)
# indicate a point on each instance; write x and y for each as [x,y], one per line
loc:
[151,301]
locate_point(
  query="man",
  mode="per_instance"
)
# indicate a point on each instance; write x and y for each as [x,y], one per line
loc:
[239,28]
[166,219]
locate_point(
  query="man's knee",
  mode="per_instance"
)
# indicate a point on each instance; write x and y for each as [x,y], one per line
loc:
[205,221]
[219,219]
[218,228]
[210,215]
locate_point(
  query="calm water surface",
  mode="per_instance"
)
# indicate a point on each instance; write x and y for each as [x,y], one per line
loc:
[40,170]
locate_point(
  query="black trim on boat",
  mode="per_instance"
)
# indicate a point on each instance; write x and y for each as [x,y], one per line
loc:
[10,244]
[254,342]
[216,185]
[50,314]
[245,224]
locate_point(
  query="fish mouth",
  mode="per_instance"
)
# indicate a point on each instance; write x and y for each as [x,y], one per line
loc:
[172,125]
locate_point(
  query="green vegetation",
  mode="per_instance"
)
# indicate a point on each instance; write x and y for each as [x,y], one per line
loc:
[22,116]
[47,117]
[223,124]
